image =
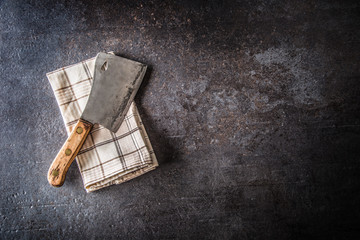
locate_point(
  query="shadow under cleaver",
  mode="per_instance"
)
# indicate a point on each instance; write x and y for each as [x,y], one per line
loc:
[163,149]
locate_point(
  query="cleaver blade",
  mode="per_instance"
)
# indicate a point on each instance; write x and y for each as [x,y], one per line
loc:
[116,81]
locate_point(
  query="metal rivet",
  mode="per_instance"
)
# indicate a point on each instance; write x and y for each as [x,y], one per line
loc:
[67,152]
[55,173]
[79,130]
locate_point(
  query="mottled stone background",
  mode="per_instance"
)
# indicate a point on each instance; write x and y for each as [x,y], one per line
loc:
[253,108]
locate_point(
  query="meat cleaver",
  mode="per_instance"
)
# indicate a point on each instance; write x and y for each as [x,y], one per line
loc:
[115,83]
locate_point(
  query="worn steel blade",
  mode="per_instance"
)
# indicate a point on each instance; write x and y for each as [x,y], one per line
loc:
[115,83]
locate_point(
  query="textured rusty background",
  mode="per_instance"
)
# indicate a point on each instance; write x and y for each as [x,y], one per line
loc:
[253,108]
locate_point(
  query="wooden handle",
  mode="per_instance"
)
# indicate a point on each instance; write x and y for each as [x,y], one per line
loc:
[68,152]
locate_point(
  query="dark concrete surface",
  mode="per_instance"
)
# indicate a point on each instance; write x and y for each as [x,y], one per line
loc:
[253,108]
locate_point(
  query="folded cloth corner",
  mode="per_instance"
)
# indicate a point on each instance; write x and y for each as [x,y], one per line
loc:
[106,158]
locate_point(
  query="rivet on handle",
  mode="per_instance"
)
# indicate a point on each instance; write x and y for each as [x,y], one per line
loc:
[79,130]
[55,173]
[67,152]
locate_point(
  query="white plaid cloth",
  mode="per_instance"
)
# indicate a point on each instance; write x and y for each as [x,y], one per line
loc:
[106,158]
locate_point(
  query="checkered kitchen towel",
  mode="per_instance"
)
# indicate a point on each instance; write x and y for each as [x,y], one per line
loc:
[106,158]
